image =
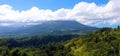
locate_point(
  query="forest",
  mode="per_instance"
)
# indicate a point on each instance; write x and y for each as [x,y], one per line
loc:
[102,42]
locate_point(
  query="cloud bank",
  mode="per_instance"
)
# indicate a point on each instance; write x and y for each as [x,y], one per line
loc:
[85,13]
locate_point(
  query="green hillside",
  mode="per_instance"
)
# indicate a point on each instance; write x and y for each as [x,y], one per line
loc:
[104,42]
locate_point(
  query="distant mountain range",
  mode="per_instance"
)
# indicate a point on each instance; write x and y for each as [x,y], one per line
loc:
[48,27]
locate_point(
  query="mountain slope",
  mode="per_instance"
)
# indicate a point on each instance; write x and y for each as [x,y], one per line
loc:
[57,27]
[51,27]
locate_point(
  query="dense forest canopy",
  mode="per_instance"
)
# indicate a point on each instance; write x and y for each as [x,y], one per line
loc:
[103,42]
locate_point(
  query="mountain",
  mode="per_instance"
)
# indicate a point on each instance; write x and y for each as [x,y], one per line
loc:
[49,27]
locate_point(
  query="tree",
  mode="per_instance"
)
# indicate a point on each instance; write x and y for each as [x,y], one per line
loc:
[15,52]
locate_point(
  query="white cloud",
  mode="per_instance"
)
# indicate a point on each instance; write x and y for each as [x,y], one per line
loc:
[85,13]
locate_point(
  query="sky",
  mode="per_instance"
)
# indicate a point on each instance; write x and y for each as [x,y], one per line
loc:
[47,4]
[98,13]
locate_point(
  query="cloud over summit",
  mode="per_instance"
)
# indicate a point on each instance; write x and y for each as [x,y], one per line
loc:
[85,13]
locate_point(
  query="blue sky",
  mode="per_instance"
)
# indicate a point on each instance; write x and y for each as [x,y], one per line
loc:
[47,4]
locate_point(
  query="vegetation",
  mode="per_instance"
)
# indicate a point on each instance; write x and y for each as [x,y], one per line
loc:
[104,42]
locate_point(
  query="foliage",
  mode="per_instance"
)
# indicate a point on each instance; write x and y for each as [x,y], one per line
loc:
[104,42]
